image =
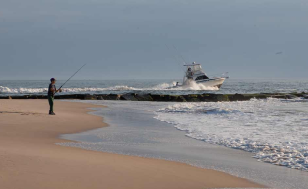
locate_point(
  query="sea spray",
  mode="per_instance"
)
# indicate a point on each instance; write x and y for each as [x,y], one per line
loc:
[192,85]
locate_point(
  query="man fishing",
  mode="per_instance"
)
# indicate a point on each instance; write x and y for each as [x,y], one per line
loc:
[51,93]
[52,90]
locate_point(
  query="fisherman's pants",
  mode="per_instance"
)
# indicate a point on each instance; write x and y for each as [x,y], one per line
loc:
[50,100]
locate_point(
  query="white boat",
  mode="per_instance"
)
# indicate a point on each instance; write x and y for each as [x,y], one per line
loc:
[194,73]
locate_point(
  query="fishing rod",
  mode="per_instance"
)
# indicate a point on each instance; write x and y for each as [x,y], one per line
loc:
[71,77]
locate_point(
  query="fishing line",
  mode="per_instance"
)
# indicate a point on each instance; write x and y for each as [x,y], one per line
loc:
[71,77]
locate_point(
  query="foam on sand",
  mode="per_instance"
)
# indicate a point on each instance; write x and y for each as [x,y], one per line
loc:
[274,130]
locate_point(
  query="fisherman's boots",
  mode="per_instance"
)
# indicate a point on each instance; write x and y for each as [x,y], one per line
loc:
[51,113]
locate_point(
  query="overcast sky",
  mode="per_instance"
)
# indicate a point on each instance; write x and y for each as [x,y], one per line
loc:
[128,39]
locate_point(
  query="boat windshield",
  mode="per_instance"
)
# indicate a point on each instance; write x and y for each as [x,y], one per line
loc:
[202,77]
[194,67]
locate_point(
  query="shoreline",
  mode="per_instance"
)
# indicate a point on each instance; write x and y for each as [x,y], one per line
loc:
[136,130]
[30,157]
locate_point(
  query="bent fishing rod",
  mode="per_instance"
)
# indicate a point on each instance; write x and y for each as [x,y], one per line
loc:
[71,77]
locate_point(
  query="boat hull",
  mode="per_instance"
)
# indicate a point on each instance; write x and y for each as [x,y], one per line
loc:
[217,82]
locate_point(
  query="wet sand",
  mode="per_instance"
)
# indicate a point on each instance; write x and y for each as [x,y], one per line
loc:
[29,157]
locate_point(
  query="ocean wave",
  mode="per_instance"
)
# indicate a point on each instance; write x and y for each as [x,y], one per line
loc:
[274,130]
[7,90]
[163,86]
[193,108]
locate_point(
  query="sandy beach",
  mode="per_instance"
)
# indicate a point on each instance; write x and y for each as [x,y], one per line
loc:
[29,157]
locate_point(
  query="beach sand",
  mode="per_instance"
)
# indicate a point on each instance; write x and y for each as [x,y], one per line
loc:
[29,157]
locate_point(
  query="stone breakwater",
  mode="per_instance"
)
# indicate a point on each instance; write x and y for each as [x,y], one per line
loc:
[206,97]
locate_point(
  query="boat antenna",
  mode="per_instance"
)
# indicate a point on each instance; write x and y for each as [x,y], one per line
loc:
[179,54]
[71,77]
[175,57]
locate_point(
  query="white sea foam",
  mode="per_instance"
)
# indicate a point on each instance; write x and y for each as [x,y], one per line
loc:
[192,85]
[274,130]
[21,90]
[4,90]
[163,86]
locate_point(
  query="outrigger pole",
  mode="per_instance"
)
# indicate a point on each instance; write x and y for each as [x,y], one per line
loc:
[71,77]
[179,54]
[176,58]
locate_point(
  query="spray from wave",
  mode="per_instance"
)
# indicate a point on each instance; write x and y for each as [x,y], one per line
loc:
[192,85]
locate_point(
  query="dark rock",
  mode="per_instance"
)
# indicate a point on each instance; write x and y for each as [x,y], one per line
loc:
[90,97]
[298,94]
[256,96]
[192,98]
[279,96]
[130,97]
[70,96]
[251,96]
[167,98]
[33,97]
[113,97]
[80,96]
[144,97]
[158,97]
[237,97]
[290,96]
[100,98]
[261,96]
[180,99]
[19,97]
[206,97]
[175,98]
[222,98]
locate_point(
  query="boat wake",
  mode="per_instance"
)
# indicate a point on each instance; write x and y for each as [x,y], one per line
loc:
[192,85]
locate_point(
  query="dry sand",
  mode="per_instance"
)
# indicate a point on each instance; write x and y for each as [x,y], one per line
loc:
[30,159]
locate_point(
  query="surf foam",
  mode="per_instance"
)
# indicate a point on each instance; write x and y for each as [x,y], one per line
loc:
[71,90]
[274,130]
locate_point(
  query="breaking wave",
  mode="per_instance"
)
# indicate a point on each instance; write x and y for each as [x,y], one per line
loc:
[160,87]
[274,130]
[7,90]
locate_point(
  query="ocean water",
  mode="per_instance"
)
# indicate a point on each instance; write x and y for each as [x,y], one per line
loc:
[246,139]
[274,130]
[230,86]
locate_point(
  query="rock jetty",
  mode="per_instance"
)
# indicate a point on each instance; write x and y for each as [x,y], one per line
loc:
[206,97]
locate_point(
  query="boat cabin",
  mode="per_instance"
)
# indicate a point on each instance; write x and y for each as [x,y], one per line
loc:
[194,71]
